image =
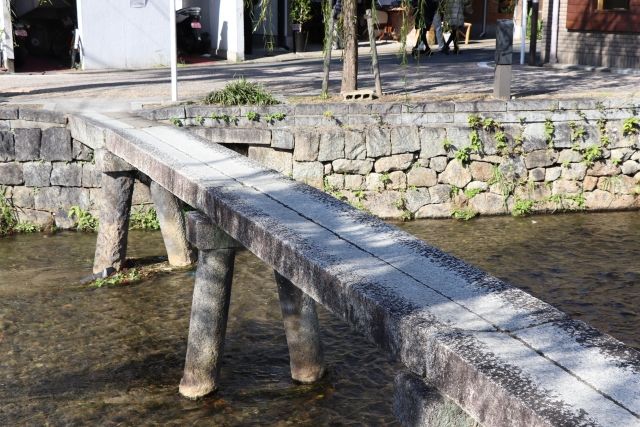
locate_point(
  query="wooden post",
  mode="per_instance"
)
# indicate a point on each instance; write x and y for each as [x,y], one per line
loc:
[374,54]
[328,44]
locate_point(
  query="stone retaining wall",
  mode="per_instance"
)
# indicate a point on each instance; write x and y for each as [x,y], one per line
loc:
[44,171]
[432,160]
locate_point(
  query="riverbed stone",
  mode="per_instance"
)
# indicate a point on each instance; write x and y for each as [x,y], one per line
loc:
[438,164]
[441,210]
[353,182]
[565,186]
[440,193]
[431,142]
[630,167]
[552,174]
[56,145]
[537,174]
[481,171]
[335,181]
[374,182]
[27,144]
[540,159]
[361,167]
[455,174]
[488,204]
[307,145]
[421,177]
[7,146]
[398,181]
[311,173]
[66,174]
[396,162]
[11,174]
[569,156]
[574,171]
[331,145]
[603,168]
[279,160]
[405,139]
[416,198]
[37,174]
[354,145]
[378,141]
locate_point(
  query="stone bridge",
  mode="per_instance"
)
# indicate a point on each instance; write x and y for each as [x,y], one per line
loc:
[505,357]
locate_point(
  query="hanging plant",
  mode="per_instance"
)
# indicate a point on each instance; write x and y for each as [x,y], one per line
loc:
[300,11]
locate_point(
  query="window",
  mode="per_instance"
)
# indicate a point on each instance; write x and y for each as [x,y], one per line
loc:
[611,16]
[613,4]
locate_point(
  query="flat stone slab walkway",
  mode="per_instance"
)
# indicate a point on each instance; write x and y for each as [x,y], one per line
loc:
[506,357]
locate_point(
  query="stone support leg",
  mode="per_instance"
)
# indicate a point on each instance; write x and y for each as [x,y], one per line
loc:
[114,210]
[302,330]
[210,307]
[172,226]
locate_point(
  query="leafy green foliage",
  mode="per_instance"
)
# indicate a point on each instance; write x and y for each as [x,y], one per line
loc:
[124,277]
[631,126]
[591,154]
[253,116]
[271,118]
[8,218]
[176,122]
[144,219]
[470,193]
[549,132]
[464,155]
[26,227]
[522,207]
[464,214]
[84,221]
[300,11]
[447,144]
[501,141]
[241,92]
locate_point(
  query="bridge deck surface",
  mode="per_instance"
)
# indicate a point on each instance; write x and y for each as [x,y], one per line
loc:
[503,355]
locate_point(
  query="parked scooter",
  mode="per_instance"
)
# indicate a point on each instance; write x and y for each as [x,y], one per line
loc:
[189,35]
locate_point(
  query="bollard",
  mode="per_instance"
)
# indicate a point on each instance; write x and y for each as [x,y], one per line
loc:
[301,327]
[172,225]
[210,306]
[504,58]
[114,207]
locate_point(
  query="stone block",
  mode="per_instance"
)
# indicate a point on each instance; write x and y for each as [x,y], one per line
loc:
[45,116]
[421,177]
[354,145]
[206,236]
[404,139]
[360,167]
[81,152]
[167,113]
[307,145]
[384,204]
[574,171]
[565,186]
[27,144]
[141,194]
[630,167]
[532,105]
[552,174]
[66,174]
[110,163]
[282,138]
[398,162]
[90,176]
[562,136]
[540,159]
[455,174]
[353,182]
[53,199]
[620,184]
[431,142]
[589,183]
[397,181]
[335,181]
[8,113]
[56,145]
[86,131]
[11,174]
[311,173]
[42,219]
[569,156]
[481,171]
[378,141]
[514,169]
[23,197]
[332,144]
[221,135]
[429,107]
[488,204]
[440,193]
[441,210]
[480,106]
[7,146]
[603,168]
[438,164]
[417,198]
[534,137]
[458,136]
[374,182]
[328,168]
[281,161]
[537,174]
[621,154]
[37,174]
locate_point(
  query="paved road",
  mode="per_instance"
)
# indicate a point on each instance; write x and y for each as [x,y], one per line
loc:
[469,75]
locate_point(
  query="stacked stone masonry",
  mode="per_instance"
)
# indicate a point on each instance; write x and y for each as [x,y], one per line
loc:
[417,160]
[44,171]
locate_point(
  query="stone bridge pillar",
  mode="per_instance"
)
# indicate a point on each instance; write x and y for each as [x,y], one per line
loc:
[301,327]
[210,307]
[114,207]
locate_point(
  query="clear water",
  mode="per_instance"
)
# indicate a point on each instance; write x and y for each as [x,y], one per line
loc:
[114,356]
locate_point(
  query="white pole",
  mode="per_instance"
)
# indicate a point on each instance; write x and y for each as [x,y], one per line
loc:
[554,32]
[173,53]
[523,31]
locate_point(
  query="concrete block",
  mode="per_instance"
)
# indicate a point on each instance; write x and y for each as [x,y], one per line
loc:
[66,174]
[11,174]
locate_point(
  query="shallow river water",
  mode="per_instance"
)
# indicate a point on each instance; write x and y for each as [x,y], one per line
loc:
[72,354]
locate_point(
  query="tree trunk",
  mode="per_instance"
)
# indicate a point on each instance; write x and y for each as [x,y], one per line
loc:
[350,66]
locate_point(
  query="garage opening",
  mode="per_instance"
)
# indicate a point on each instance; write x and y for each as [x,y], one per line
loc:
[43,34]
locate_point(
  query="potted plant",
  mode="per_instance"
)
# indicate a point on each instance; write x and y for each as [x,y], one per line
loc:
[299,14]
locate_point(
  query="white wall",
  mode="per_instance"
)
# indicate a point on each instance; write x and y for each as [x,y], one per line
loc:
[115,35]
[6,33]
[227,28]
